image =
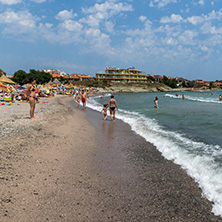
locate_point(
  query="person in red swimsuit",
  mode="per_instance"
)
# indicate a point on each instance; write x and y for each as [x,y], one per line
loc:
[84,96]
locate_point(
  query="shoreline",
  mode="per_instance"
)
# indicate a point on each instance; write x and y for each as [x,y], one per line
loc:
[165,190]
[68,165]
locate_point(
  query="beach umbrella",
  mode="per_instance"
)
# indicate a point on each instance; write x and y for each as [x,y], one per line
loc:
[5,79]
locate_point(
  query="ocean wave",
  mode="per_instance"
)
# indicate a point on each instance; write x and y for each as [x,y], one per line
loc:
[197,158]
[196,99]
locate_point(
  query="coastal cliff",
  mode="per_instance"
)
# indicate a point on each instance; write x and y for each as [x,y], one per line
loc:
[136,87]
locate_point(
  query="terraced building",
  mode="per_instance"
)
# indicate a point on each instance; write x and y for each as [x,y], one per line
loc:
[122,75]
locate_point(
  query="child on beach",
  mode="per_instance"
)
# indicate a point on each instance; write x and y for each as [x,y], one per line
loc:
[104,110]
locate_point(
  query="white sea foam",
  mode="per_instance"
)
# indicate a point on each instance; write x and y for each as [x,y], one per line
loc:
[198,159]
[194,98]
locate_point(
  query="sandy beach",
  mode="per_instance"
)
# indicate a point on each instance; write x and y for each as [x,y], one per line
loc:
[70,165]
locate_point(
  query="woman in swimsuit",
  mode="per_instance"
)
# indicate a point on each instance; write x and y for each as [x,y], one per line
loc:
[156,102]
[113,106]
[31,96]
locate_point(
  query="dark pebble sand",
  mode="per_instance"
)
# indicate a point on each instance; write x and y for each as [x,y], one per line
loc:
[140,184]
[68,167]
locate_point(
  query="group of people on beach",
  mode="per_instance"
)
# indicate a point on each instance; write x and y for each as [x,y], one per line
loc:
[112,108]
[80,96]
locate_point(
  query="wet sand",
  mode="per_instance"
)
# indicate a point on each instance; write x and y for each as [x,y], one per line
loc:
[70,165]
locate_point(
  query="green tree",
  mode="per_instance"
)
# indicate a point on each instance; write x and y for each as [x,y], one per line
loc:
[150,78]
[20,77]
[173,83]
[184,84]
[169,82]
[212,85]
[190,84]
[41,77]
[62,79]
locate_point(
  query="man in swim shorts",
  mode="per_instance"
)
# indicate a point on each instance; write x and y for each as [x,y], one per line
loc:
[84,97]
[112,107]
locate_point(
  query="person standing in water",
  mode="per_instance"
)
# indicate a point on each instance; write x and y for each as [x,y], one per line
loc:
[220,98]
[31,96]
[156,102]
[112,107]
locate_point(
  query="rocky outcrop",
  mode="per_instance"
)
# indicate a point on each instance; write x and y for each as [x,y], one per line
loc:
[137,88]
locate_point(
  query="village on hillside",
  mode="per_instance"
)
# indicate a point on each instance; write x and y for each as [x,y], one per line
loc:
[132,75]
[129,75]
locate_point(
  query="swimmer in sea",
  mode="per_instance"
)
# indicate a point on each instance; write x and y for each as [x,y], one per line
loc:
[156,102]
[104,110]
[183,97]
[113,107]
[220,98]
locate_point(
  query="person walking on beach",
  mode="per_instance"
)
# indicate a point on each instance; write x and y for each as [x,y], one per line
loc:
[78,98]
[84,97]
[104,110]
[31,96]
[156,102]
[113,107]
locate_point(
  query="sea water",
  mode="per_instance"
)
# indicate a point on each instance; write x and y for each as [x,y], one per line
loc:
[188,132]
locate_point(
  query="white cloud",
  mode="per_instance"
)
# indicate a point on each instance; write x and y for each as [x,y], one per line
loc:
[21,18]
[98,40]
[208,28]
[65,15]
[203,18]
[104,11]
[161,3]
[204,48]
[187,37]
[142,18]
[39,1]
[10,2]
[201,2]
[109,26]
[110,6]
[171,41]
[71,26]
[173,18]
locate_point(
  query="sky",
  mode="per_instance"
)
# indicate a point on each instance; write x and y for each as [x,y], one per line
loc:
[165,37]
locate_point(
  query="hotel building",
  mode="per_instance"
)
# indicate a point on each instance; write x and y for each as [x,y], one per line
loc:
[122,75]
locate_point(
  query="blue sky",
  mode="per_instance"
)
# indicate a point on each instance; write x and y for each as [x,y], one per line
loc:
[166,37]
